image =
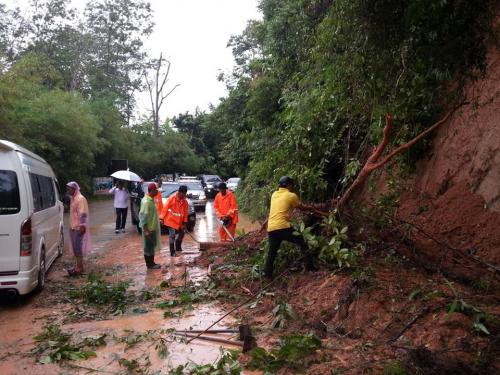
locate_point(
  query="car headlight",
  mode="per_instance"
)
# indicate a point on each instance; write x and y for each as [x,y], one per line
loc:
[202,196]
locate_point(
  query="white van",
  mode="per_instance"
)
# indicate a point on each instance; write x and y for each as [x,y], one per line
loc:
[31,219]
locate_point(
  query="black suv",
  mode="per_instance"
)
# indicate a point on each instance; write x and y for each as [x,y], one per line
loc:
[211,184]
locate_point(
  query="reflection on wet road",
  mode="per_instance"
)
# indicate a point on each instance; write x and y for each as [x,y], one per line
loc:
[120,258]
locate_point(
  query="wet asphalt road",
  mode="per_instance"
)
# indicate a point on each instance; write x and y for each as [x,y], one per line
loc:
[120,257]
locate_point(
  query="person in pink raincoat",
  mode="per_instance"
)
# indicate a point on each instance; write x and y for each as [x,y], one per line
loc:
[79,233]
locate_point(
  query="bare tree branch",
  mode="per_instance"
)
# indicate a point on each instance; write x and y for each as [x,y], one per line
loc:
[156,87]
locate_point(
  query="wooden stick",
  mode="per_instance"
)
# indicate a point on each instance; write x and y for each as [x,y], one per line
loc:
[209,338]
[248,300]
[209,331]
[408,326]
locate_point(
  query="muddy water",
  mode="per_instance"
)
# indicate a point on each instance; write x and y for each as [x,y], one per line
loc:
[120,257]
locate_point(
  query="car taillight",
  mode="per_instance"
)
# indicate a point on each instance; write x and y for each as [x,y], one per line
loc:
[26,238]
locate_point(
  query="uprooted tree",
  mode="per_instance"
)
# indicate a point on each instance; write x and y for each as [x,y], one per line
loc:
[373,162]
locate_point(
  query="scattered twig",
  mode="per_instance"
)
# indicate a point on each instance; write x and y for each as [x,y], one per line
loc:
[73,365]
[248,300]
[247,290]
[209,338]
[424,311]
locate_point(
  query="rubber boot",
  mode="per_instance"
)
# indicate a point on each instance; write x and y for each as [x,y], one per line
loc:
[152,263]
[172,249]
[148,262]
[178,246]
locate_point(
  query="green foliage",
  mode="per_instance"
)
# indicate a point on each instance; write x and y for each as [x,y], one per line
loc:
[68,81]
[113,296]
[135,365]
[132,338]
[313,80]
[187,295]
[292,353]
[226,365]
[57,346]
[394,368]
[329,246]
[282,312]
[460,305]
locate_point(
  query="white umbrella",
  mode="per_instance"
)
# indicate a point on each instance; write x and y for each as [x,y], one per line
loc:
[126,175]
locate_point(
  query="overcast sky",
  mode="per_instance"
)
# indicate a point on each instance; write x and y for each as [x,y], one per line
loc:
[193,35]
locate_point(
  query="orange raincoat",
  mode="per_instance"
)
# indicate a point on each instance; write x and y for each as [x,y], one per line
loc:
[225,205]
[158,202]
[175,212]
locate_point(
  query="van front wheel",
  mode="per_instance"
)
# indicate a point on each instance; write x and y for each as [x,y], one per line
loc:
[41,273]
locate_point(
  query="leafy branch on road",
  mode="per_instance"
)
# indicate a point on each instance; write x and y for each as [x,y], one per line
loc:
[53,345]
[114,296]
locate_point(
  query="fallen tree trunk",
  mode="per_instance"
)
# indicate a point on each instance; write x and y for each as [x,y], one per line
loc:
[373,161]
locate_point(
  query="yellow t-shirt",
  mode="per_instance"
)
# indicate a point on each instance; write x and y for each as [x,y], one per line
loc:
[283,202]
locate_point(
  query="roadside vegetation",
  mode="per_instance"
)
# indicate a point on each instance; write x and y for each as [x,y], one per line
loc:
[316,85]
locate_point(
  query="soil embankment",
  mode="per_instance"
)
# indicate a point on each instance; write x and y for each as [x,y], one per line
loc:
[454,195]
[423,297]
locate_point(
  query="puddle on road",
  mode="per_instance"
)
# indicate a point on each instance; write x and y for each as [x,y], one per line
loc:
[120,258]
[179,353]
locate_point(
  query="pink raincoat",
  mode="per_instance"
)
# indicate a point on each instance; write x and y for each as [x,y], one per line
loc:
[79,216]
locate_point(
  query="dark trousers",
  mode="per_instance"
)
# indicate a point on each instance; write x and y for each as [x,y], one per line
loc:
[175,239]
[276,237]
[121,218]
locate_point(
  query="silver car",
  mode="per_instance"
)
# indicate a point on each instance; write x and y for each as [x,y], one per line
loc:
[233,183]
[196,193]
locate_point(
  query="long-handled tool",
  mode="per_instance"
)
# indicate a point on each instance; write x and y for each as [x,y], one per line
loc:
[246,339]
[221,222]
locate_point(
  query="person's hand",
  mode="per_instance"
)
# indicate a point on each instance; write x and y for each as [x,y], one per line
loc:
[82,229]
[147,232]
[183,226]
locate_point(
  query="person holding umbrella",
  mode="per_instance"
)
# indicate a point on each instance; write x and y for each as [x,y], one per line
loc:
[150,225]
[121,205]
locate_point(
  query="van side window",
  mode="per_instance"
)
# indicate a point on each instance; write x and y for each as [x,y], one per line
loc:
[43,192]
[37,193]
[9,193]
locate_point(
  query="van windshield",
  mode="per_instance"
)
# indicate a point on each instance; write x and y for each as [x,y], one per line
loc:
[9,193]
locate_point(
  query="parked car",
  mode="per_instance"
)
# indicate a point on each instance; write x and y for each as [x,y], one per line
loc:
[233,183]
[31,219]
[187,178]
[195,193]
[169,188]
[211,184]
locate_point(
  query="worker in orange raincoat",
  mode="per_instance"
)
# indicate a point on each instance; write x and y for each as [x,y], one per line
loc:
[226,210]
[175,218]
[158,198]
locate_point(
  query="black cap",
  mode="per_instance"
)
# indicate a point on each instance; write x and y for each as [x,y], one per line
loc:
[222,186]
[183,189]
[285,181]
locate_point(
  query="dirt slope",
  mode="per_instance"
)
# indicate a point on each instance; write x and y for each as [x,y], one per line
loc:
[454,195]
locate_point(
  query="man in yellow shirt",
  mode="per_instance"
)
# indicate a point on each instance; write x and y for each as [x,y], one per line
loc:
[283,201]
